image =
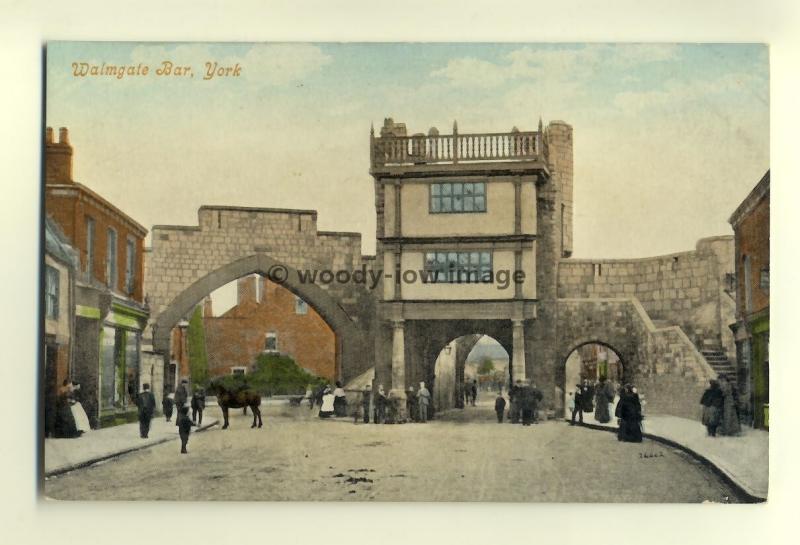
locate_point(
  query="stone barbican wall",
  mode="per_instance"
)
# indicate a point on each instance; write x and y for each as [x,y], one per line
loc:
[663,363]
[180,255]
[684,289]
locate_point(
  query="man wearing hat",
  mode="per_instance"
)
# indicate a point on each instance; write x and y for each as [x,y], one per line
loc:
[181,396]
[146,404]
[578,408]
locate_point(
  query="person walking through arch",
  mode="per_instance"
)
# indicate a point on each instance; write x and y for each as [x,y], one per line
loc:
[474,391]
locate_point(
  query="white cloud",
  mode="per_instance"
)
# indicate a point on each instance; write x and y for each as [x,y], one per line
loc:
[471,72]
[283,63]
[552,64]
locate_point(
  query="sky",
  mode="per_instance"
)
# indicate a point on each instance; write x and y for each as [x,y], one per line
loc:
[668,138]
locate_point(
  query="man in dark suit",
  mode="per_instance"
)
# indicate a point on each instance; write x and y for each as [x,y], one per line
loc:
[146,404]
[500,406]
[198,406]
[578,408]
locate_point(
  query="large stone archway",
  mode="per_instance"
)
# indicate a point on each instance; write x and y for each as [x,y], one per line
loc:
[351,341]
[186,263]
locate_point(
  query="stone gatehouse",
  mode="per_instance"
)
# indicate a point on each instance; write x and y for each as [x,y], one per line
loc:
[474,237]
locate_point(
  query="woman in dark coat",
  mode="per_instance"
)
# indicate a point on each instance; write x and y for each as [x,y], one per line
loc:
[65,426]
[603,397]
[339,400]
[712,402]
[629,412]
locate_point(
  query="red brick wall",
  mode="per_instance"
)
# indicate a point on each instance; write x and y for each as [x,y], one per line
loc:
[237,337]
[752,239]
[68,203]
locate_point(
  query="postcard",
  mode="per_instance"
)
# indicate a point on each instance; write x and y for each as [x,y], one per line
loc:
[405,272]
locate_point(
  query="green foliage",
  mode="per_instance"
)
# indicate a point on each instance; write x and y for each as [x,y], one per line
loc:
[486,367]
[198,358]
[275,375]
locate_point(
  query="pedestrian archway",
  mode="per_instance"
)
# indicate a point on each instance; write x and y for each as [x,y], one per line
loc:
[470,360]
[592,361]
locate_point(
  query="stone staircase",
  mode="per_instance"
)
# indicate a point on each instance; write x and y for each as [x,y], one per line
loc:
[719,362]
[715,356]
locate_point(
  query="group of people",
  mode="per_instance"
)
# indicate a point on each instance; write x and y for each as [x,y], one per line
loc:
[599,399]
[70,418]
[720,404]
[523,404]
[385,407]
[331,402]
[146,405]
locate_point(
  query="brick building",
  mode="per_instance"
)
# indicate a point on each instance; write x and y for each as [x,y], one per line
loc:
[268,318]
[60,264]
[109,305]
[750,224]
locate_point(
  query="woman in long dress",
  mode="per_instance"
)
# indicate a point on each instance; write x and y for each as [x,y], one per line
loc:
[78,412]
[729,423]
[339,400]
[604,395]
[326,410]
[629,412]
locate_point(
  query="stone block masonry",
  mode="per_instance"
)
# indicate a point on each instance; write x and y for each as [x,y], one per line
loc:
[186,263]
[685,289]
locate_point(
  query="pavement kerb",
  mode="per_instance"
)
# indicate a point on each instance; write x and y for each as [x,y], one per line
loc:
[740,487]
[92,461]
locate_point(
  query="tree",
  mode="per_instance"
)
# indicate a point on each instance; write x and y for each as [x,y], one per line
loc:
[486,367]
[280,375]
[198,358]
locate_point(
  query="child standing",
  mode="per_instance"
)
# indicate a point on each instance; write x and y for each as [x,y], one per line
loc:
[184,426]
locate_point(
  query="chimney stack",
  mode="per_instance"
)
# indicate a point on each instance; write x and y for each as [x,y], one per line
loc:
[246,290]
[58,157]
[208,309]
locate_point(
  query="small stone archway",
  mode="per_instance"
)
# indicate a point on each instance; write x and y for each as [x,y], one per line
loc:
[352,342]
[562,371]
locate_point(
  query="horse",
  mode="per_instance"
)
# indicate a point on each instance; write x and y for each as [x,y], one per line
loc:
[237,399]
